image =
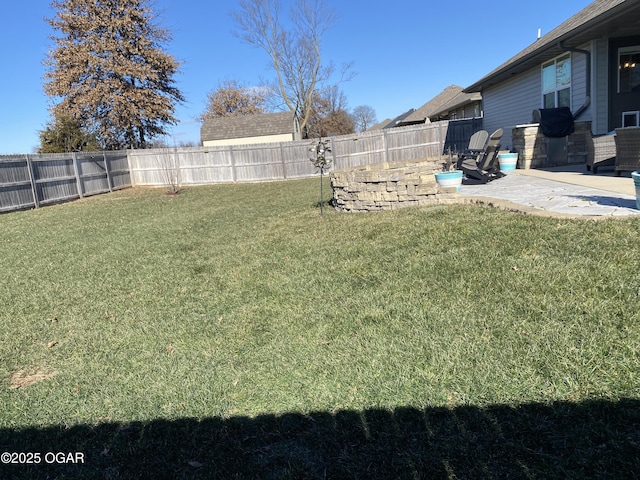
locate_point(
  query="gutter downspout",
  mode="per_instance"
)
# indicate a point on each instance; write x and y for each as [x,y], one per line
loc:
[587,99]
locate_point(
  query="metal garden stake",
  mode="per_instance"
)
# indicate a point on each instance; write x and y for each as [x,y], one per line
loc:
[322,161]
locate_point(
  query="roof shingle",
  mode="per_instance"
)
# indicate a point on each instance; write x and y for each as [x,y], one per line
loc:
[589,19]
[245,126]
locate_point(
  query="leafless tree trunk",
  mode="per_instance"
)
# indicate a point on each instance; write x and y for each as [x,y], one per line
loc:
[295,53]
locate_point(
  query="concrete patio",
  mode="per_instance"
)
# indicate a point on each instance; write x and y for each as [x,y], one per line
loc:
[568,191]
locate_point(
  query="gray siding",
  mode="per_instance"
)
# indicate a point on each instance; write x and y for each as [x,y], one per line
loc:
[511,103]
[600,98]
[579,83]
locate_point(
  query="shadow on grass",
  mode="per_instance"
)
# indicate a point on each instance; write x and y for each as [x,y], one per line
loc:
[594,439]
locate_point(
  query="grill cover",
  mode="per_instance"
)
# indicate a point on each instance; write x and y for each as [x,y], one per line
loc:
[555,122]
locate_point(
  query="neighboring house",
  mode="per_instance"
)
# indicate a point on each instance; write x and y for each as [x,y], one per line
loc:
[450,104]
[380,125]
[249,129]
[401,120]
[590,63]
[462,110]
[462,106]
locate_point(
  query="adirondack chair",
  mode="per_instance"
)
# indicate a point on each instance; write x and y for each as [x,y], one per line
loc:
[477,142]
[484,166]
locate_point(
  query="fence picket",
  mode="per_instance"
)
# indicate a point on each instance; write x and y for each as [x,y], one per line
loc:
[32,178]
[76,171]
[106,169]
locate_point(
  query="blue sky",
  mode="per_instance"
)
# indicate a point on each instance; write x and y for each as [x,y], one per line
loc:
[404,54]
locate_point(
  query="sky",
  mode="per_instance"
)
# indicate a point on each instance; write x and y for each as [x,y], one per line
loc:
[403,54]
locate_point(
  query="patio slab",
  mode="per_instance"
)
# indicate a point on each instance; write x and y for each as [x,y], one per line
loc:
[565,192]
[578,175]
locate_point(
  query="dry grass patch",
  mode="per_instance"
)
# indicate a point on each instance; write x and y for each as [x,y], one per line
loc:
[26,377]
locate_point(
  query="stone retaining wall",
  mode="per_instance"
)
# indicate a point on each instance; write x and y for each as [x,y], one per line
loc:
[390,185]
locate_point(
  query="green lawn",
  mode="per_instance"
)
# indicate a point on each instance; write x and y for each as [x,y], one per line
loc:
[233,332]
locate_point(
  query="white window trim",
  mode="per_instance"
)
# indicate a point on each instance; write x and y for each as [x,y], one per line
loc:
[555,90]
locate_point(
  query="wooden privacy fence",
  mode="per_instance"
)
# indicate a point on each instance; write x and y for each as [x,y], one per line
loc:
[28,181]
[33,180]
[459,133]
[282,160]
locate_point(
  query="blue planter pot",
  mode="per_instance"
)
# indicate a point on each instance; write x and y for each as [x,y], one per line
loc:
[636,180]
[450,179]
[507,161]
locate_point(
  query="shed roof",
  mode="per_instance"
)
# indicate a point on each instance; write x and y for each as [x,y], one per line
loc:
[598,19]
[245,126]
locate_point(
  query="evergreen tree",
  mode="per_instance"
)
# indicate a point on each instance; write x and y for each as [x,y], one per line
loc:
[66,135]
[109,71]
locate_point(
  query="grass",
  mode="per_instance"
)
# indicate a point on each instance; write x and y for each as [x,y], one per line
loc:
[233,332]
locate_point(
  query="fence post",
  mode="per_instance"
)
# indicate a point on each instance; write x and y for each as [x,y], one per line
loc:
[385,144]
[76,170]
[233,164]
[335,151]
[106,169]
[130,155]
[284,165]
[443,136]
[176,165]
[32,179]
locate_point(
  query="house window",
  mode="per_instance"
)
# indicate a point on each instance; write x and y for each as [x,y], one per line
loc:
[629,69]
[556,82]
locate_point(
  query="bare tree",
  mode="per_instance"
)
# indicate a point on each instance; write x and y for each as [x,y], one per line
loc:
[230,99]
[363,117]
[109,71]
[295,52]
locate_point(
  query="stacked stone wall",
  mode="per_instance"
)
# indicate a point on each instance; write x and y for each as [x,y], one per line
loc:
[390,185]
[532,146]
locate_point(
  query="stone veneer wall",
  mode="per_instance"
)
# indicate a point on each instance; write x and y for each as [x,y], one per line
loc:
[390,185]
[531,146]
